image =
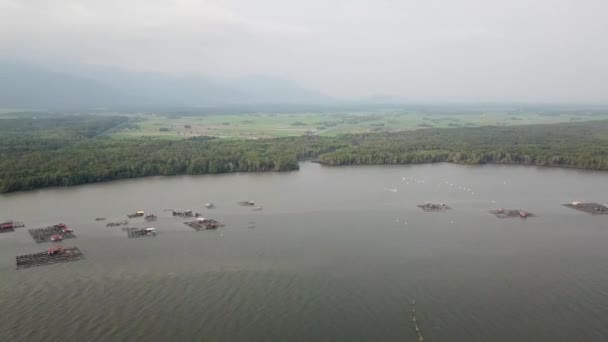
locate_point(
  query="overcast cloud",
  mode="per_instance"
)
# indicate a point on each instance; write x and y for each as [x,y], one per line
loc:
[425,50]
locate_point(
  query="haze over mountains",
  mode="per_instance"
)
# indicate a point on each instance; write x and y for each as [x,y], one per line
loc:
[31,87]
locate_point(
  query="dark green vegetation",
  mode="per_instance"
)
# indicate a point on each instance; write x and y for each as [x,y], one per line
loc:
[33,134]
[37,153]
[75,150]
[577,145]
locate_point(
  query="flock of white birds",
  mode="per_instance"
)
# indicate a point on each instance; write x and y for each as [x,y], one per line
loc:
[445,183]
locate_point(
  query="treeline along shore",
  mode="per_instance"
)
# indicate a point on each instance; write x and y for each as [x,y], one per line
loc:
[75,150]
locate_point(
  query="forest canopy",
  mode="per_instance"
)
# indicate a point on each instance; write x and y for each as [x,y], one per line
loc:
[74,150]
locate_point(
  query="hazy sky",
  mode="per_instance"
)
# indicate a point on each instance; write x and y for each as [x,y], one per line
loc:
[420,50]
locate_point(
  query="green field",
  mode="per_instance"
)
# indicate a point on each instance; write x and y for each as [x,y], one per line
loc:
[254,126]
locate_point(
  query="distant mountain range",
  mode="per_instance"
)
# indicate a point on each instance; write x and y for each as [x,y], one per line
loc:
[33,87]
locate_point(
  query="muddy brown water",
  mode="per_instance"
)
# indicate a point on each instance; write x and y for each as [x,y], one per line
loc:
[336,254]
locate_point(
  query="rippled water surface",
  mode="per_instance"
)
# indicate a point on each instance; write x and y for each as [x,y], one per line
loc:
[336,254]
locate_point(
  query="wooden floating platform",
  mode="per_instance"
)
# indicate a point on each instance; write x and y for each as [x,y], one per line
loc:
[506,213]
[186,213]
[117,224]
[204,224]
[10,226]
[46,258]
[589,208]
[136,214]
[139,232]
[41,235]
[434,207]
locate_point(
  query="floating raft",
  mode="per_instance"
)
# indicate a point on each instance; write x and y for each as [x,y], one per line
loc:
[41,235]
[10,226]
[47,258]
[136,214]
[186,213]
[203,224]
[589,208]
[117,224]
[139,232]
[506,213]
[434,207]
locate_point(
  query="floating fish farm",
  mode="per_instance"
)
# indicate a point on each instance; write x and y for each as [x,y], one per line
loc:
[136,214]
[203,224]
[186,213]
[506,213]
[51,256]
[133,232]
[589,208]
[434,207]
[53,233]
[10,226]
[117,224]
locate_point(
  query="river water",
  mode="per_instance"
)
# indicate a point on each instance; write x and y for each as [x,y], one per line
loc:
[335,255]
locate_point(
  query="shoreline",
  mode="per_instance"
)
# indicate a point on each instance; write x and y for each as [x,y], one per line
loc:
[314,161]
